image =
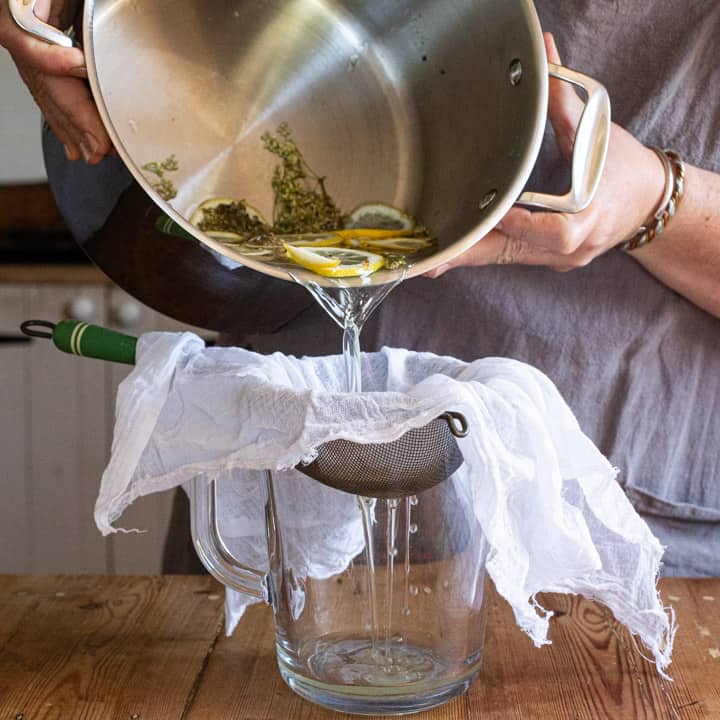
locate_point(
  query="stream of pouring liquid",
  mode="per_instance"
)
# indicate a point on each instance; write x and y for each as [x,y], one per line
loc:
[350,308]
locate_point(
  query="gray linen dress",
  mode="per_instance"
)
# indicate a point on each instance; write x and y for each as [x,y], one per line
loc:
[638,363]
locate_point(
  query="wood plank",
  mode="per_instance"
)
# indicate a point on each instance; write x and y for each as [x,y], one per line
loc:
[588,672]
[695,692]
[242,679]
[94,648]
[592,670]
[116,647]
[53,275]
[29,207]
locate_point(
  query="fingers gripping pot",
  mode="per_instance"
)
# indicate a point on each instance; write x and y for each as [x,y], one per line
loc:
[435,108]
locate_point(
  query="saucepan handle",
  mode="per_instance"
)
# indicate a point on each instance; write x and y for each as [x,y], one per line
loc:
[590,151]
[23,12]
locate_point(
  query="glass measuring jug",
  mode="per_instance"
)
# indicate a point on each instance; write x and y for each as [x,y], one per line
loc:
[378,604]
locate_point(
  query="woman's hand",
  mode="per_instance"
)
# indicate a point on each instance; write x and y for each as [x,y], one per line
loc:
[630,190]
[56,78]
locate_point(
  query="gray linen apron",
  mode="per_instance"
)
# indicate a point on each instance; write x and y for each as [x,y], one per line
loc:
[638,364]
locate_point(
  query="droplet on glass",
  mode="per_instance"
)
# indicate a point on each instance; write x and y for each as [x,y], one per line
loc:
[414,590]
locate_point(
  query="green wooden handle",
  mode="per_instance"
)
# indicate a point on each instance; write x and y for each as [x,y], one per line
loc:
[168,226]
[79,338]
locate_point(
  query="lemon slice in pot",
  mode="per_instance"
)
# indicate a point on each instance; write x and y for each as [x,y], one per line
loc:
[311,259]
[312,240]
[349,234]
[391,244]
[380,217]
[229,238]
[336,261]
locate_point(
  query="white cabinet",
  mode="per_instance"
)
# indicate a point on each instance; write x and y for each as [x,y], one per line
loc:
[56,419]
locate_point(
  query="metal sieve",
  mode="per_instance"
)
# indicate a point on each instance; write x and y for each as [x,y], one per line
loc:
[416,461]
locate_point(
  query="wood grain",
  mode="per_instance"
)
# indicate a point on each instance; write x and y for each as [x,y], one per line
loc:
[593,669]
[242,677]
[29,207]
[152,649]
[103,648]
[53,275]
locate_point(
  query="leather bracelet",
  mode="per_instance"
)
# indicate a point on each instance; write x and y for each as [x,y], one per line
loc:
[674,191]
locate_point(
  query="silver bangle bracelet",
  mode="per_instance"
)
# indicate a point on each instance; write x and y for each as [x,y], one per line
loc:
[674,191]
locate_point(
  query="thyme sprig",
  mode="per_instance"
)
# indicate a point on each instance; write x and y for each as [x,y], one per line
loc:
[302,204]
[232,217]
[163,186]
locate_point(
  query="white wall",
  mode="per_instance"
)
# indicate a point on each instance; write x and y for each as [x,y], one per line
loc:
[20,152]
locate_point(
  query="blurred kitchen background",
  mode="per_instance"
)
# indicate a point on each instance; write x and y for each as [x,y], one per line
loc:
[56,410]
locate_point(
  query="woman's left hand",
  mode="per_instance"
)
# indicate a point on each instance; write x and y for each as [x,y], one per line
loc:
[629,192]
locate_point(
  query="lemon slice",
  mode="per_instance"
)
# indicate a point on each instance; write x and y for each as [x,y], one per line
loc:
[336,261]
[312,240]
[370,232]
[379,217]
[240,244]
[311,259]
[391,244]
[254,251]
[229,238]
[199,215]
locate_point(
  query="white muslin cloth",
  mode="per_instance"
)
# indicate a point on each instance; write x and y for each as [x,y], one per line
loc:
[547,501]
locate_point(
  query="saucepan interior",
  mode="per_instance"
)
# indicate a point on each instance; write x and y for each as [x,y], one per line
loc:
[437,108]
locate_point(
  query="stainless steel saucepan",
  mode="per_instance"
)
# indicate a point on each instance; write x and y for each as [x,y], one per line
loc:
[438,108]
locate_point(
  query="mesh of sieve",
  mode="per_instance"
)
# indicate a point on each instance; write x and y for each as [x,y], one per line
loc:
[416,461]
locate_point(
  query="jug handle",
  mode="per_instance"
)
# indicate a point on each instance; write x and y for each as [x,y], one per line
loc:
[590,150]
[23,12]
[213,552]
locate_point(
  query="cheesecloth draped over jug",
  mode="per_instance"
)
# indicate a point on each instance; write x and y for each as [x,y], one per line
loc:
[546,499]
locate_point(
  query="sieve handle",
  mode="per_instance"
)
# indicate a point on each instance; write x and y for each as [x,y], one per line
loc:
[211,549]
[23,12]
[590,150]
[80,338]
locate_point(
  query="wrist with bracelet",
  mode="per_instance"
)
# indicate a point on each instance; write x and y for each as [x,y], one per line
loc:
[674,191]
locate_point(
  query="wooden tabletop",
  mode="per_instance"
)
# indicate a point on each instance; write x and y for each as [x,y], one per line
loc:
[151,648]
[35,274]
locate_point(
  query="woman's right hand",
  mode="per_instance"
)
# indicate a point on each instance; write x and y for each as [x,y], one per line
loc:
[56,78]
